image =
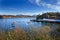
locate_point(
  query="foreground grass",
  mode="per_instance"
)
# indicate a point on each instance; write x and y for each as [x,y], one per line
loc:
[32,34]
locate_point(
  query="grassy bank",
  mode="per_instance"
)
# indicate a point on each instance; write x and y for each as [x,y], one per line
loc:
[32,34]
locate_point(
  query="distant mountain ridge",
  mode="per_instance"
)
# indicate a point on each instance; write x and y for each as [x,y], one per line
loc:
[15,16]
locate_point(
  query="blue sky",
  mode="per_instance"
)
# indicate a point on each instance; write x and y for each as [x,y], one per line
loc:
[29,6]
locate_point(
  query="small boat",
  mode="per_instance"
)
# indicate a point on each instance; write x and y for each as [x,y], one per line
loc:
[33,20]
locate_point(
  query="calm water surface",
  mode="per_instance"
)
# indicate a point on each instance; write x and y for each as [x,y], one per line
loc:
[25,23]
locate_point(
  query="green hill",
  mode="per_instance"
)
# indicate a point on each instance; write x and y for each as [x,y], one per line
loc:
[49,15]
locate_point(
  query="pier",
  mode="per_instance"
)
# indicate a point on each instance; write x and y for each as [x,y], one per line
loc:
[47,20]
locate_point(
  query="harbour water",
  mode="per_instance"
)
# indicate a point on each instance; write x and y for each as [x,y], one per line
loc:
[25,23]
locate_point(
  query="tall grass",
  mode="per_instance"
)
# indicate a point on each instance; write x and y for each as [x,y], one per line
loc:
[21,34]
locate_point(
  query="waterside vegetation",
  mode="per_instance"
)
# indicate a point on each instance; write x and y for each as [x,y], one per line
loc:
[42,33]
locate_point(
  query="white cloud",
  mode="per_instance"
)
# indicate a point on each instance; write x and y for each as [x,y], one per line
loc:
[31,13]
[37,2]
[55,6]
[58,2]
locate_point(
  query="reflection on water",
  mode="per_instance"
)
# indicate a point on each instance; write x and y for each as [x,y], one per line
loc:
[41,30]
[25,23]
